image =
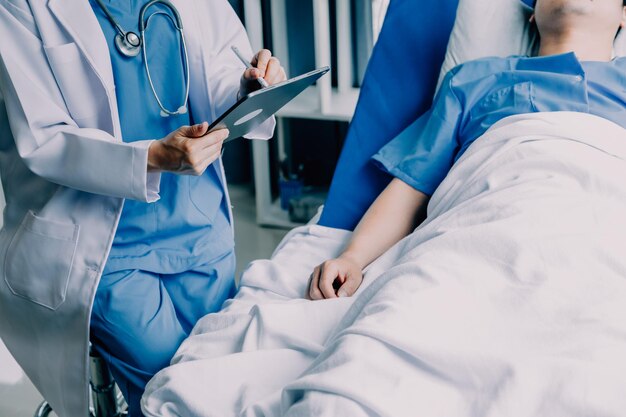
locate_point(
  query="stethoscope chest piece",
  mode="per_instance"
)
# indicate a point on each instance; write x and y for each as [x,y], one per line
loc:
[180,110]
[131,44]
[128,44]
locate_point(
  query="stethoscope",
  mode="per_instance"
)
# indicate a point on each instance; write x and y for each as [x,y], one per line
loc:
[130,44]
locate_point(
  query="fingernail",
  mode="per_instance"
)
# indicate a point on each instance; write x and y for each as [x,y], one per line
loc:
[341,294]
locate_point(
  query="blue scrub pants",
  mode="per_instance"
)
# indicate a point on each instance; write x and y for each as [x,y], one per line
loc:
[140,318]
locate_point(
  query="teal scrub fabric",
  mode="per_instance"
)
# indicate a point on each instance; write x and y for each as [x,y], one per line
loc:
[189,225]
[172,261]
[476,95]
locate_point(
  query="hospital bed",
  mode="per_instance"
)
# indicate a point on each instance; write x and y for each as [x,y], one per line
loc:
[492,307]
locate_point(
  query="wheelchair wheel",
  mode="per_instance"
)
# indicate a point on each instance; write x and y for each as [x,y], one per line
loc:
[44,410]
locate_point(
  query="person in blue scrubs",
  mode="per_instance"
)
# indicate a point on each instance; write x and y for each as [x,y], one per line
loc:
[573,72]
[172,261]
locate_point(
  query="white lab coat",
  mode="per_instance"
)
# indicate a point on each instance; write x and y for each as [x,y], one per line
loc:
[66,171]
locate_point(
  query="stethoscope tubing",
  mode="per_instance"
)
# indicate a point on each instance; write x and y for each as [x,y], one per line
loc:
[111,19]
[143,24]
[184,56]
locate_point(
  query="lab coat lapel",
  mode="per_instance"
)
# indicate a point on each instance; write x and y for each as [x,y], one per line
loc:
[82,25]
[199,88]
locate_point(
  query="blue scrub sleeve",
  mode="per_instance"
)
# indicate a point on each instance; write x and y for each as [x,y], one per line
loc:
[424,152]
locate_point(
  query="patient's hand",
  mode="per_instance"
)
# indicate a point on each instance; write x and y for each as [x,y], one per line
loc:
[339,277]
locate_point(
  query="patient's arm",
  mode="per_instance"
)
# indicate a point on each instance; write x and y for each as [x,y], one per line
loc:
[395,213]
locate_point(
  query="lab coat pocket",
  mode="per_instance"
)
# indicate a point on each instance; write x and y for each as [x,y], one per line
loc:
[39,260]
[77,81]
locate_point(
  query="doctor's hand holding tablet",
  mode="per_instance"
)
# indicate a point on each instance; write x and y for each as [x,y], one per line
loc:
[190,150]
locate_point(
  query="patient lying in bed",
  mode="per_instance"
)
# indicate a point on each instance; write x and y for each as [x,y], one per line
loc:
[507,300]
[573,72]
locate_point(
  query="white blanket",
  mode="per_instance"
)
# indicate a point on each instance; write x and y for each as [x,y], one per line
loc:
[510,300]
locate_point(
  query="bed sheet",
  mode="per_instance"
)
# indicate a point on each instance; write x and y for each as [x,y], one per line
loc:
[508,300]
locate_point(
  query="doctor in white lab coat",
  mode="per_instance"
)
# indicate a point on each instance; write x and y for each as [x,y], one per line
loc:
[66,171]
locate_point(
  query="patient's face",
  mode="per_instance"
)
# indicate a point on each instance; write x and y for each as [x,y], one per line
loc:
[558,17]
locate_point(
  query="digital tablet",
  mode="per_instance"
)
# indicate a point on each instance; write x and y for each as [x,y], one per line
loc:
[252,110]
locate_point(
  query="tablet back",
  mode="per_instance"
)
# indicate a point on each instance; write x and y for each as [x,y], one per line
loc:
[255,108]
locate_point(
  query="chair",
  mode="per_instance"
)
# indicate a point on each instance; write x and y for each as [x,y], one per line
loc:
[106,399]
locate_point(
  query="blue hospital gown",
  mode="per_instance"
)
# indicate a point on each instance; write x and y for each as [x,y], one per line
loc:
[476,95]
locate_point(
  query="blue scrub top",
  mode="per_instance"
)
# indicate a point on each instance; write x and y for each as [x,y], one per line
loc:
[189,226]
[476,95]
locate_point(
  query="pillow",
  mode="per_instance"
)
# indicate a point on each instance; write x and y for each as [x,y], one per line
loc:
[496,28]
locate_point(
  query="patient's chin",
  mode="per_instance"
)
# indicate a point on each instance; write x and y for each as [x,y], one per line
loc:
[571,9]
[560,26]
[559,17]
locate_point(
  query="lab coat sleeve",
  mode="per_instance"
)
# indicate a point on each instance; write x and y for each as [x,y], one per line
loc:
[48,140]
[225,71]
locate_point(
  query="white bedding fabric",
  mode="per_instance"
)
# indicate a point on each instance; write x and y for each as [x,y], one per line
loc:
[510,300]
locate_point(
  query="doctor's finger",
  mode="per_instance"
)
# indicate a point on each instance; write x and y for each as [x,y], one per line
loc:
[273,72]
[252,74]
[261,59]
[209,152]
[282,76]
[198,162]
[279,77]
[210,139]
[194,131]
